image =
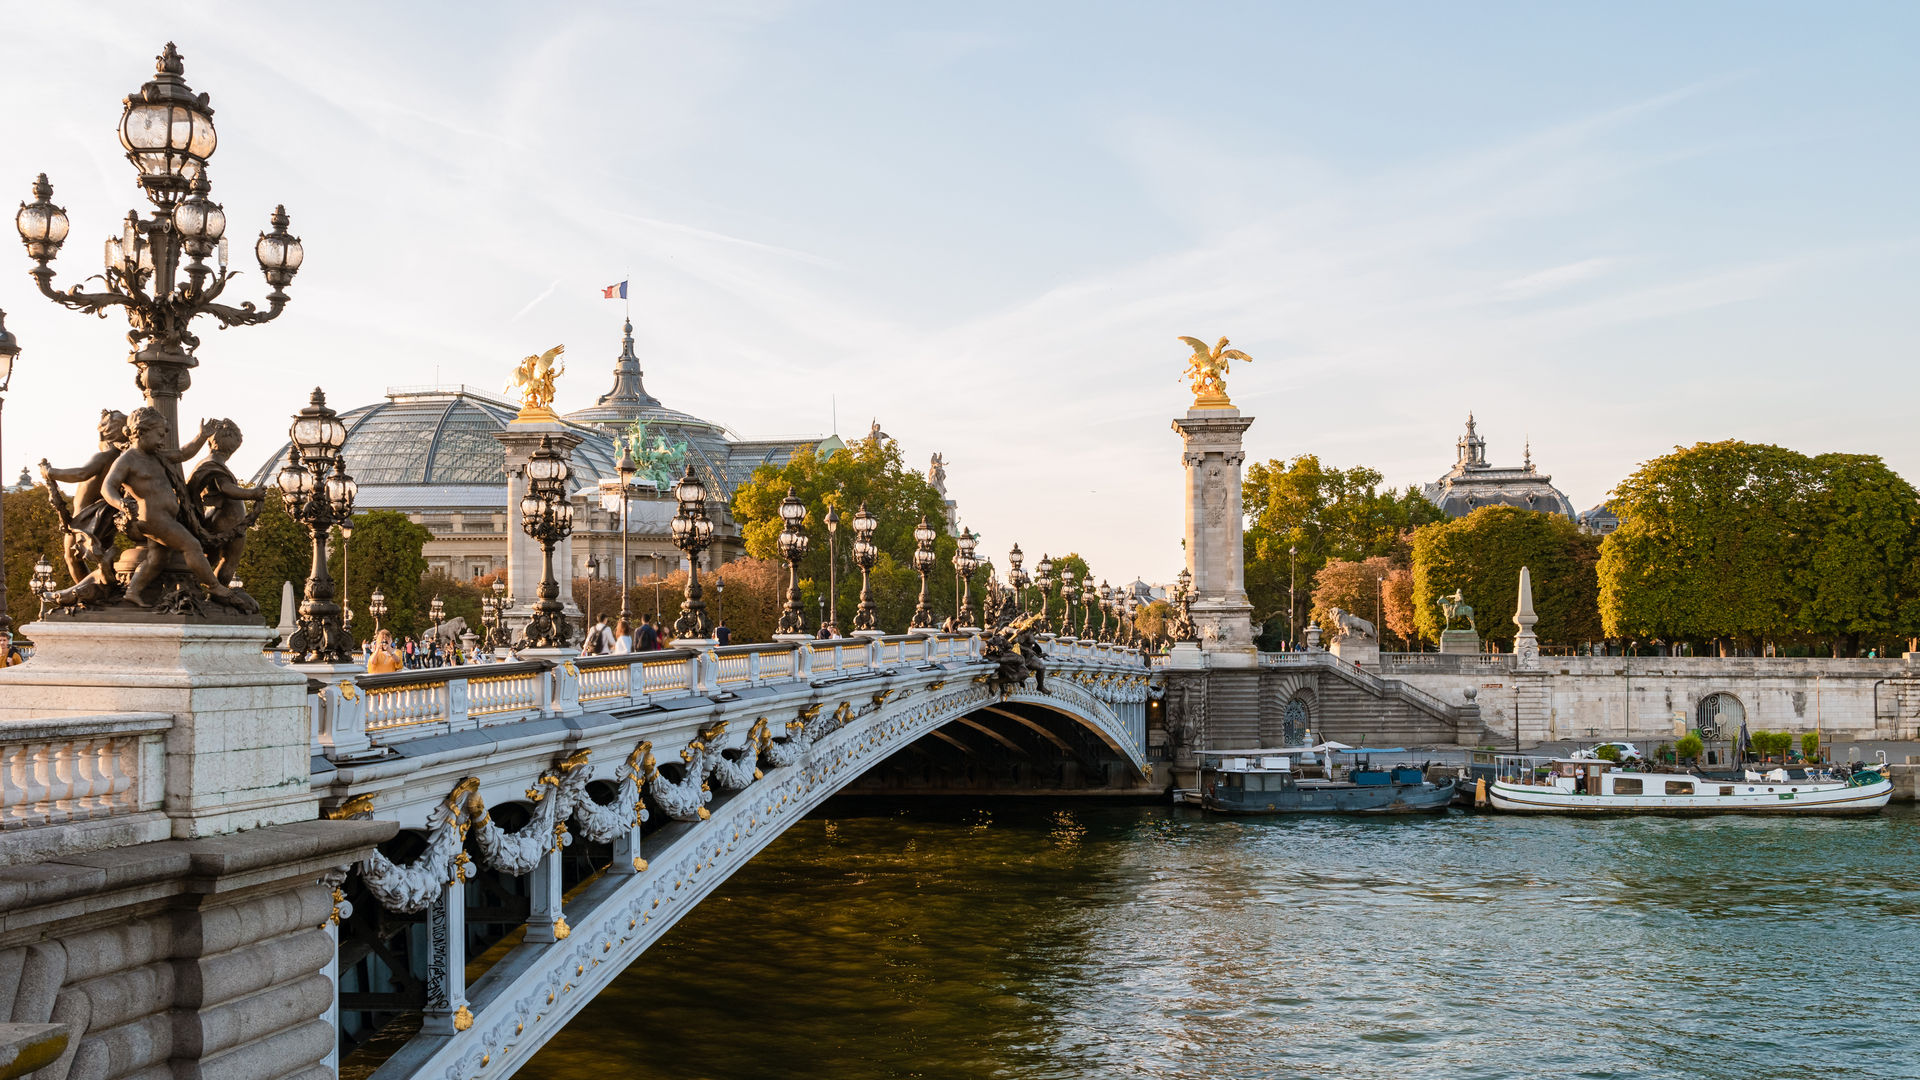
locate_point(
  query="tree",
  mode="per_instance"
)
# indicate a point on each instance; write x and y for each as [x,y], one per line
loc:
[869,471]
[1401,619]
[1864,536]
[1481,555]
[387,553]
[33,533]
[278,550]
[1321,513]
[1744,542]
[1350,586]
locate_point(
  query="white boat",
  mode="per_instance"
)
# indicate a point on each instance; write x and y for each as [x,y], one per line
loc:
[1586,786]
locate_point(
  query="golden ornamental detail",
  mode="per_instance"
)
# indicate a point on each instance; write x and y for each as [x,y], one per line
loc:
[533,381]
[1207,369]
[463,1019]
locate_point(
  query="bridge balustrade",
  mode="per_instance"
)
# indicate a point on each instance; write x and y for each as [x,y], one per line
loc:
[352,714]
[80,769]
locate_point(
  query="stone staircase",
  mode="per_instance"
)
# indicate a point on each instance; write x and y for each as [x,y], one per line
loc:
[1353,705]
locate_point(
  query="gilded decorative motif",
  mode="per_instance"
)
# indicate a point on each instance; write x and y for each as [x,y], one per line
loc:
[1207,369]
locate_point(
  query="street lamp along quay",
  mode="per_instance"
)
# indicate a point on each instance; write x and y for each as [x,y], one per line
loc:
[157,269]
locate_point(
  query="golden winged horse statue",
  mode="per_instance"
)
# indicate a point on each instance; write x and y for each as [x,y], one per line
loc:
[1207,368]
[533,381]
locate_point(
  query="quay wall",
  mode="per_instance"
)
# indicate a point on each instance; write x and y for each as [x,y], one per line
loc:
[1655,699]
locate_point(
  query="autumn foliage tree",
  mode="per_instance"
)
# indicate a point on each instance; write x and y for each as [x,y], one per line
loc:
[1350,586]
[1320,513]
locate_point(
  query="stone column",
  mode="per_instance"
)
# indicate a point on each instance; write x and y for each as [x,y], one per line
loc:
[524,557]
[446,1008]
[546,921]
[1215,549]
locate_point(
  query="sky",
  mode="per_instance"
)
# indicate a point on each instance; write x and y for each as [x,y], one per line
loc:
[1608,230]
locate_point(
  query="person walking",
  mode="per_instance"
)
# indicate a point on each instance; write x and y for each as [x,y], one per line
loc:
[623,637]
[723,634]
[590,645]
[649,634]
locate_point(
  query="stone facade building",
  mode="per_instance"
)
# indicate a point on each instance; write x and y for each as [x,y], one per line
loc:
[433,453]
[1472,483]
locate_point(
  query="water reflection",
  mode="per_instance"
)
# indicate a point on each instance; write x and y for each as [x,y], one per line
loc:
[1034,941]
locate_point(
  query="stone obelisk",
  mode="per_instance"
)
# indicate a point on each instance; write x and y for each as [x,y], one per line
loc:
[1212,454]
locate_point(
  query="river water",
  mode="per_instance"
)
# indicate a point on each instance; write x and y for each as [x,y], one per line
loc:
[1039,941]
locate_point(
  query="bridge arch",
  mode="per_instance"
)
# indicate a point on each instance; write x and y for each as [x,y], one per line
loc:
[740,784]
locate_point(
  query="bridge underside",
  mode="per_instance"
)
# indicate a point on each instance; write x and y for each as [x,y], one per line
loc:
[471,942]
[1014,748]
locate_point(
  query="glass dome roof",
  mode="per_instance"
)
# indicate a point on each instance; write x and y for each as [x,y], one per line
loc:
[443,437]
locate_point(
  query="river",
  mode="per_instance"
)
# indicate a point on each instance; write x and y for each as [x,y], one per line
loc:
[1029,941]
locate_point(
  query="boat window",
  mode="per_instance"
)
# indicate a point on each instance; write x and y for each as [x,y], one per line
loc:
[1679,787]
[1626,786]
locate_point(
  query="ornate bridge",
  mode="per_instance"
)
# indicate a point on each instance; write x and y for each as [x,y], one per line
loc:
[559,815]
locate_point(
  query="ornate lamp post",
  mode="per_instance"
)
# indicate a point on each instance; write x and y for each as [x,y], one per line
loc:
[626,468]
[1089,599]
[9,352]
[1043,581]
[692,532]
[546,515]
[793,548]
[833,567]
[377,607]
[42,583]
[1106,608]
[923,559]
[493,610]
[865,617]
[437,610]
[1067,578]
[1016,577]
[157,267]
[318,501]
[965,562]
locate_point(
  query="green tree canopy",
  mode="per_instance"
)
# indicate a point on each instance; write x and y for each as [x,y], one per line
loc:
[1323,513]
[1748,542]
[869,471]
[1481,555]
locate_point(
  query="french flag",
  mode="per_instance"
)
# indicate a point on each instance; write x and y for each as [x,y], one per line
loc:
[614,292]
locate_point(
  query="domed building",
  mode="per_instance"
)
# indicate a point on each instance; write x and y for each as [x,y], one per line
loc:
[1472,483]
[433,453]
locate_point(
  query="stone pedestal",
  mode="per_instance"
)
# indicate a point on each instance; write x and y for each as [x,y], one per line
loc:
[1215,548]
[1459,641]
[525,559]
[1362,652]
[238,755]
[1186,656]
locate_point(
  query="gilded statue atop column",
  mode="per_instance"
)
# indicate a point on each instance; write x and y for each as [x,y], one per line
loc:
[533,380]
[1207,369]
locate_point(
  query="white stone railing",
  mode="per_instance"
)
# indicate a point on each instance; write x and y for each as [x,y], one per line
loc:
[353,714]
[81,768]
